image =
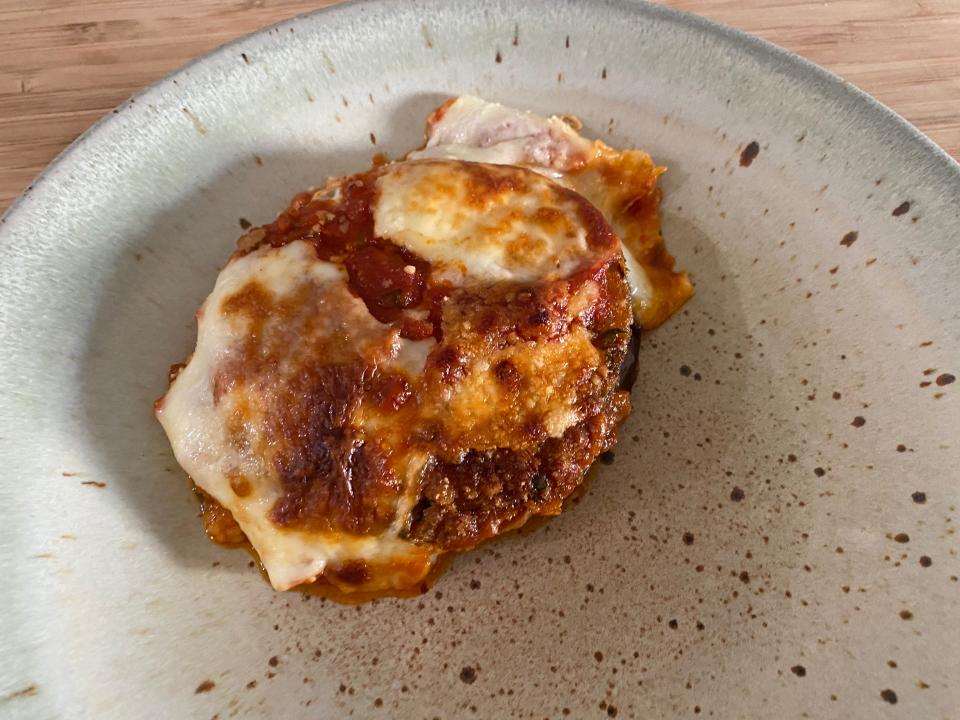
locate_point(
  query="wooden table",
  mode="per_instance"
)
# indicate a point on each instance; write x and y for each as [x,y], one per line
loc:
[64,63]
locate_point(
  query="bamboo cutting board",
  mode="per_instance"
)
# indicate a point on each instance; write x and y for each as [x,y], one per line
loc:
[65,64]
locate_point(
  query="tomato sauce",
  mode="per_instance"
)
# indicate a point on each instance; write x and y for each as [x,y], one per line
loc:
[388,278]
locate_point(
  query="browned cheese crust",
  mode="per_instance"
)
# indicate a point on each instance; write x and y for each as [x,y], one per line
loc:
[485,474]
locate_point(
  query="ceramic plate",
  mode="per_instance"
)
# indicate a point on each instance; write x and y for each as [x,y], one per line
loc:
[776,536]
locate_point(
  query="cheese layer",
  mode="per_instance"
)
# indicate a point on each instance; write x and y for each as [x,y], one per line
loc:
[426,318]
[622,184]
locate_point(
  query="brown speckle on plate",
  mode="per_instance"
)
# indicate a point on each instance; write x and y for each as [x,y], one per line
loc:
[28,691]
[850,238]
[889,695]
[468,675]
[749,153]
[205,686]
[901,209]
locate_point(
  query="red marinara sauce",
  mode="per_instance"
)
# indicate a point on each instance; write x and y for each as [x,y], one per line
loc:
[388,278]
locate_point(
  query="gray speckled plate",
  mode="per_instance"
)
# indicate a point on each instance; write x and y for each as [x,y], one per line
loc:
[776,535]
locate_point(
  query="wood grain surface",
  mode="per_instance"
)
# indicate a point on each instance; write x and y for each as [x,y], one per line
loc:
[64,63]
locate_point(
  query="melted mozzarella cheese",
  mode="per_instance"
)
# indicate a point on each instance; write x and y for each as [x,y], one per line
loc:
[473,129]
[479,131]
[503,224]
[641,291]
[197,424]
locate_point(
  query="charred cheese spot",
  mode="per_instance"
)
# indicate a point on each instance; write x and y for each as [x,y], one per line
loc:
[416,358]
[351,572]
[507,375]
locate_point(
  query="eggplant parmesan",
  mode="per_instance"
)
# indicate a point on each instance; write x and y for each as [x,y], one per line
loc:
[424,355]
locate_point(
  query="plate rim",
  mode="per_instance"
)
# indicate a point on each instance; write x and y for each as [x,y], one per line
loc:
[808,70]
